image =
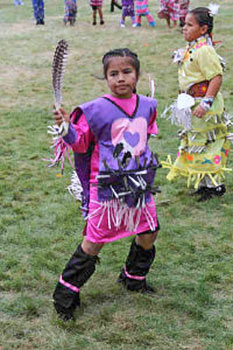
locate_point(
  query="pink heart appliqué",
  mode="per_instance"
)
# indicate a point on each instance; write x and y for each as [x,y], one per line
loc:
[132,133]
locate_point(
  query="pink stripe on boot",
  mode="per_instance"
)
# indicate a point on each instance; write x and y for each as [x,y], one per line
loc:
[68,285]
[133,277]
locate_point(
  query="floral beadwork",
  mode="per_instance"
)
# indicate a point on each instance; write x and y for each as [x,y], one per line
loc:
[217,159]
[225,151]
[189,157]
[193,47]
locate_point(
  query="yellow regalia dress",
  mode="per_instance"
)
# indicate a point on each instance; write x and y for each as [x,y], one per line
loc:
[205,146]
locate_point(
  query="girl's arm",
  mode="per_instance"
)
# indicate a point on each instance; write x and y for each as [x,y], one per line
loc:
[79,135]
[211,93]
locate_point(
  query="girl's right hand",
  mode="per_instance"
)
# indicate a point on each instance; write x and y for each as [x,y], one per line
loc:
[199,112]
[60,115]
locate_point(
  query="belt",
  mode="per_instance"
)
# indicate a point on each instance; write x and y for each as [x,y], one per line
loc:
[198,90]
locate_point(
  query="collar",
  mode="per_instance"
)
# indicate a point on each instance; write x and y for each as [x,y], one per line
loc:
[197,43]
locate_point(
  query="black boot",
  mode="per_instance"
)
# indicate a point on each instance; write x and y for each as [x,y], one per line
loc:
[210,192]
[78,270]
[65,302]
[200,191]
[137,266]
[219,190]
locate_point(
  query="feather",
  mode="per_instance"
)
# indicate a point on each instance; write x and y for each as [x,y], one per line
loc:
[213,9]
[58,70]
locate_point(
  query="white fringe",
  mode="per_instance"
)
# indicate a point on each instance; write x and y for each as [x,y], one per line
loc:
[119,214]
[179,117]
[75,188]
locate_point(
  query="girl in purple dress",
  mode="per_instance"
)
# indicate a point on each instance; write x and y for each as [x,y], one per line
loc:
[127,11]
[70,11]
[109,137]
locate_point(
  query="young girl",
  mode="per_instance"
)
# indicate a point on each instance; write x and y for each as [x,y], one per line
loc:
[109,137]
[169,10]
[205,140]
[127,10]
[143,10]
[70,11]
[96,5]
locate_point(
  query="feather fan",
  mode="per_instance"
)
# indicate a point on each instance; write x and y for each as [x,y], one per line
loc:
[58,70]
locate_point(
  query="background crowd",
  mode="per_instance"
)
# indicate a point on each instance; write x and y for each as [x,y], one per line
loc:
[171,10]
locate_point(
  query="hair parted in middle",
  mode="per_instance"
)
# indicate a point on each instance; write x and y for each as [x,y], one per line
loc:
[121,53]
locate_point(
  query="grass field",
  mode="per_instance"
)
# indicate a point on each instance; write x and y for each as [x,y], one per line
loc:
[40,224]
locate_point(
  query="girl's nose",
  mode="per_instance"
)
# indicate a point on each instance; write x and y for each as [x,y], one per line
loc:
[121,77]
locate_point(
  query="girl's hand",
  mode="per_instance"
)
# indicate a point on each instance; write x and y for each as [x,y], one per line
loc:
[199,112]
[60,115]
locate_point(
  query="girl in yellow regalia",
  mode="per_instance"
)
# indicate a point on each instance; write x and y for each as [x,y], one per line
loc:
[205,140]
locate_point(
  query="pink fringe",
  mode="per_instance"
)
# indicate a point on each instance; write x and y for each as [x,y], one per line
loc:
[61,151]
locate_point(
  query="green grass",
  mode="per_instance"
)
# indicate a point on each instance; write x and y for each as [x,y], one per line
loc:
[40,224]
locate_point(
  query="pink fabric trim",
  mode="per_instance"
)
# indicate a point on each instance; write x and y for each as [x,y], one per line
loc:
[104,234]
[127,104]
[68,285]
[133,277]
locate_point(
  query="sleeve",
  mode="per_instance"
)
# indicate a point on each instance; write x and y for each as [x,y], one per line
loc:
[152,127]
[79,135]
[208,62]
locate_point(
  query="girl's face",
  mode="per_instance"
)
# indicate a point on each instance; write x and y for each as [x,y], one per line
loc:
[121,77]
[192,29]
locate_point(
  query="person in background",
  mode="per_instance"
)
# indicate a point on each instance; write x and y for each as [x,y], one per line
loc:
[142,9]
[169,10]
[70,7]
[38,8]
[18,2]
[205,139]
[113,4]
[127,11]
[183,11]
[96,5]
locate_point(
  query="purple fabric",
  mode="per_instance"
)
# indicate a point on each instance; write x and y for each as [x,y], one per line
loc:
[103,117]
[82,162]
[128,8]
[71,136]
[131,138]
[70,10]
[83,167]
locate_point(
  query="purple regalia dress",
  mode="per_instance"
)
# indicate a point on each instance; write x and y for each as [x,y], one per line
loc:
[118,170]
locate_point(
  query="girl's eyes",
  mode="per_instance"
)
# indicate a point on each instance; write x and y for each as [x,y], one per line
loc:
[125,71]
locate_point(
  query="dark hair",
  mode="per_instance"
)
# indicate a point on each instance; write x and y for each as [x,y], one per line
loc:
[121,53]
[203,17]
